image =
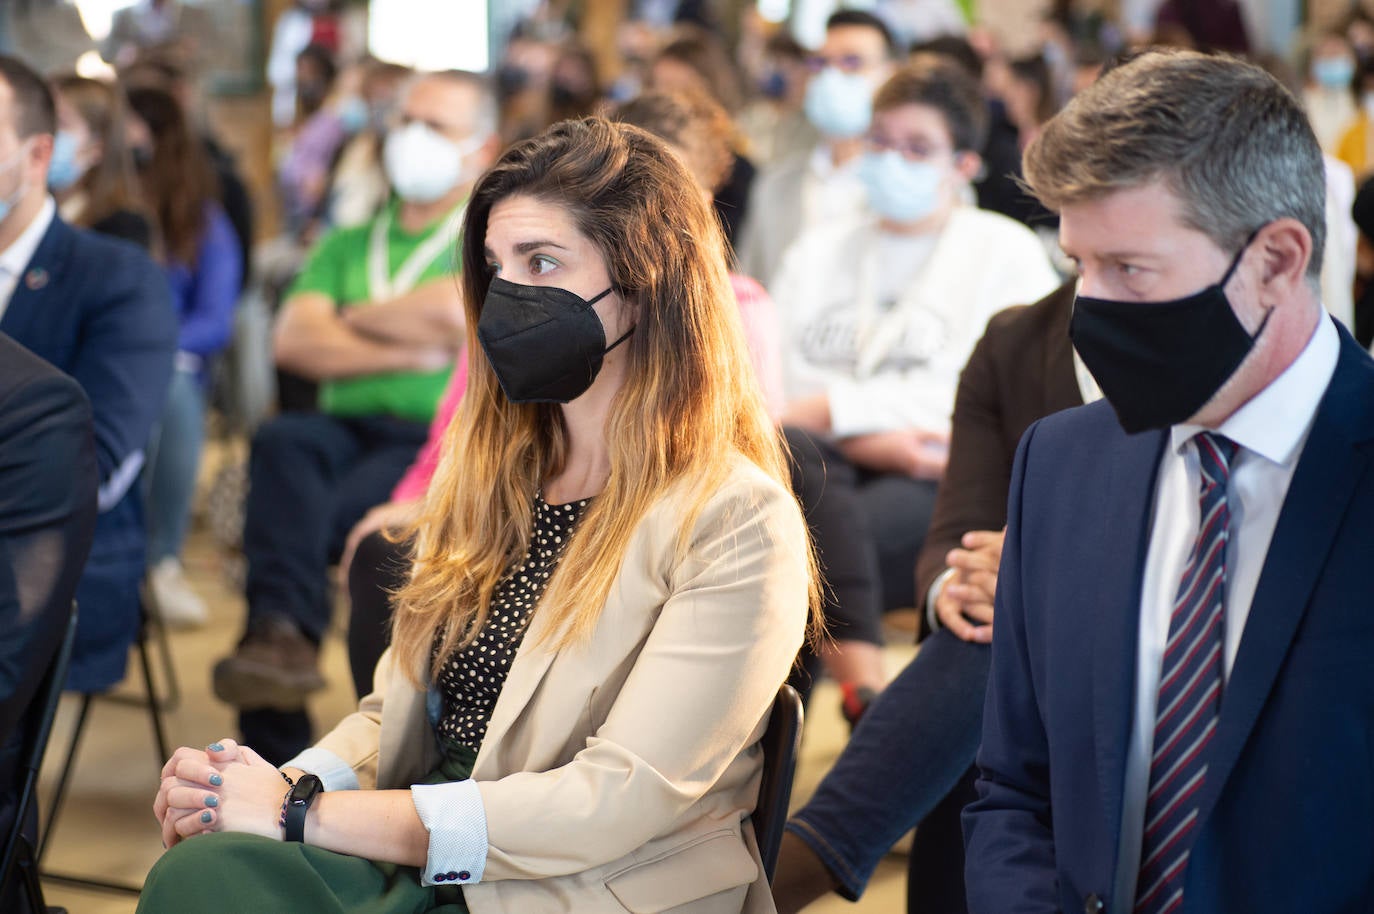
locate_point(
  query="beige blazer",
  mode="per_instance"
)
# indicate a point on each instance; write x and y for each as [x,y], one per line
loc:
[619,775]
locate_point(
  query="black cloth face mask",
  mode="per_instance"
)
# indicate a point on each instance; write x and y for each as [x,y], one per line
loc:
[545,344]
[1158,363]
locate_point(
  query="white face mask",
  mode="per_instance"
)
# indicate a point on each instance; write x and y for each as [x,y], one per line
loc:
[422,165]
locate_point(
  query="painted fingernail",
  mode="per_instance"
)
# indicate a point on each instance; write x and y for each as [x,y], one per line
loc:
[211,800]
[207,817]
[216,780]
[215,747]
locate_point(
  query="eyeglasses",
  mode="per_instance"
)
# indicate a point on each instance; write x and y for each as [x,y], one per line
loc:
[913,151]
[845,63]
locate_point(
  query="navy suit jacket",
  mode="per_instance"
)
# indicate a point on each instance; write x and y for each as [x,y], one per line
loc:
[47,518]
[99,309]
[1286,815]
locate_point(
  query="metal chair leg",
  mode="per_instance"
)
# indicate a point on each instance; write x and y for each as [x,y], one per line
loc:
[60,793]
[155,708]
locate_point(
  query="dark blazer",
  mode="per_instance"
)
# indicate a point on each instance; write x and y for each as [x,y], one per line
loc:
[99,310]
[1286,817]
[47,518]
[1020,371]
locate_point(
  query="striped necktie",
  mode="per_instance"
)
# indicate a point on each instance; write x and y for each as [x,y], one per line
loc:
[1190,680]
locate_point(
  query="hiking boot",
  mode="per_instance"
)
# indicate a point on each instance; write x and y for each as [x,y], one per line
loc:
[274,666]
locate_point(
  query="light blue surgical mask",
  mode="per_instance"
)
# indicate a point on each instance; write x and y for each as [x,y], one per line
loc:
[838,104]
[64,170]
[1333,72]
[898,189]
[7,204]
[353,114]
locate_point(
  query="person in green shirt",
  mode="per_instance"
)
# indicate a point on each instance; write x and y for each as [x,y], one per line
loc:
[376,319]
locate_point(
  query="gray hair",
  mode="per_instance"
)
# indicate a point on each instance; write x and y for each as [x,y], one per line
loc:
[1230,142]
[487,117]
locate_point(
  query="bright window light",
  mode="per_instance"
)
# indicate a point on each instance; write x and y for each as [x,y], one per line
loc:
[430,34]
[775,10]
[98,15]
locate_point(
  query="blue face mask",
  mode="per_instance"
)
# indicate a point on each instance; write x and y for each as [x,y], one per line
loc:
[64,170]
[839,105]
[8,204]
[773,85]
[900,190]
[1333,72]
[353,114]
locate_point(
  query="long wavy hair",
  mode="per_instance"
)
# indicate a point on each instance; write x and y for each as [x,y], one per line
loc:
[109,185]
[180,182]
[689,407]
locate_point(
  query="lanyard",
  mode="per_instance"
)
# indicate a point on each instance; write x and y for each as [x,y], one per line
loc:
[877,330]
[381,285]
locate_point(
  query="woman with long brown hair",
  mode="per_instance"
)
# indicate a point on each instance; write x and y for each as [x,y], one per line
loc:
[92,171]
[204,268]
[696,60]
[610,581]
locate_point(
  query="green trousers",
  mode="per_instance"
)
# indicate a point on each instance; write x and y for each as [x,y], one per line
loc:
[228,873]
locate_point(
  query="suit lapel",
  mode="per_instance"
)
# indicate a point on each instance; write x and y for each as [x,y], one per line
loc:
[1122,542]
[1324,480]
[39,280]
[527,671]
[1061,389]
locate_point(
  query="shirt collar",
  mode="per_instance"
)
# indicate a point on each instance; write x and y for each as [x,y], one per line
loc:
[824,167]
[15,258]
[1275,421]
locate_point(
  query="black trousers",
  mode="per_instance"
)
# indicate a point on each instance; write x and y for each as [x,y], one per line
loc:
[311,478]
[379,567]
[868,528]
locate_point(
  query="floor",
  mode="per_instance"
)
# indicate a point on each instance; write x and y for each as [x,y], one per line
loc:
[106,828]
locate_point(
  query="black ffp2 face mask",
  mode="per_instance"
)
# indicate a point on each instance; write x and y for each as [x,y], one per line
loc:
[545,344]
[1158,363]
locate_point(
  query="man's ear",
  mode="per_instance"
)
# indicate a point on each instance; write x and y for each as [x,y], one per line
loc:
[39,156]
[968,164]
[1285,246]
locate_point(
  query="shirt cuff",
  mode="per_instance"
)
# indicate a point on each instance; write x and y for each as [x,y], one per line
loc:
[932,617]
[457,824]
[334,773]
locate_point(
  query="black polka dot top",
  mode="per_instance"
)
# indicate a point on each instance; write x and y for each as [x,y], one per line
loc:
[471,681]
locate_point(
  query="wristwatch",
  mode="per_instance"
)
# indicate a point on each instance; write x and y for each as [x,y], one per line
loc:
[298,801]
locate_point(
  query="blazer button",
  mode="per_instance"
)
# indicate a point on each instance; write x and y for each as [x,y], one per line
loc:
[439,877]
[464,876]
[1093,905]
[451,876]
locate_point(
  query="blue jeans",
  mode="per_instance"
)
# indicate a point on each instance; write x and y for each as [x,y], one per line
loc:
[913,745]
[176,461]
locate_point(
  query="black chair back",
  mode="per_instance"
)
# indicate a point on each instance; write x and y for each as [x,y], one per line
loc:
[18,861]
[781,742]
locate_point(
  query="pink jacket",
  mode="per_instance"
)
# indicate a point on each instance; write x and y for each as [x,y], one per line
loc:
[761,332]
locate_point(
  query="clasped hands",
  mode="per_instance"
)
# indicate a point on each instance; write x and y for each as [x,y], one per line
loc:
[224,787]
[964,603]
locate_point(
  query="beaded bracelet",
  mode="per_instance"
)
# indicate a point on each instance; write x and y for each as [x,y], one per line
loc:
[286,800]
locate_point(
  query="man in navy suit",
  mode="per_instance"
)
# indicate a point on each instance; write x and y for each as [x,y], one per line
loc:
[47,518]
[1180,711]
[99,310]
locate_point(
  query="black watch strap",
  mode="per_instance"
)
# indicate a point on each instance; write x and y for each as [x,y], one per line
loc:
[298,803]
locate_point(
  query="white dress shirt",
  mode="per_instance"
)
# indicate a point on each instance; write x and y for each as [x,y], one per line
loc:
[1271,430]
[14,260]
